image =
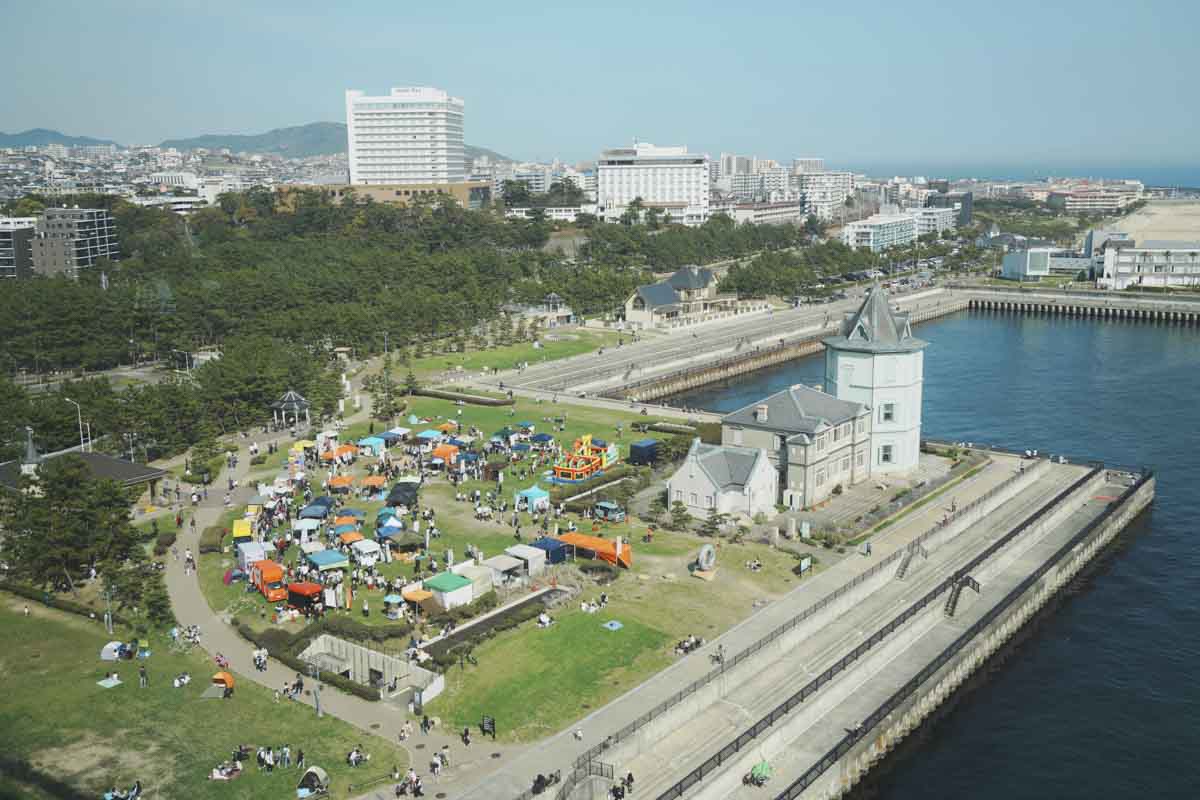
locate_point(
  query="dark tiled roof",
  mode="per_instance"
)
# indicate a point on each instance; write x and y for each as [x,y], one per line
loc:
[800,409]
[726,466]
[691,278]
[102,467]
[657,295]
[876,328]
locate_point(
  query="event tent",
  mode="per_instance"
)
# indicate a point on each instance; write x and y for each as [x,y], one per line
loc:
[375,444]
[345,519]
[241,531]
[401,432]
[428,436]
[503,567]
[249,552]
[328,559]
[314,511]
[536,498]
[557,551]
[534,558]
[541,438]
[446,452]
[449,590]
[390,437]
[613,551]
[306,524]
[366,552]
[347,528]
[308,548]
[403,494]
[350,537]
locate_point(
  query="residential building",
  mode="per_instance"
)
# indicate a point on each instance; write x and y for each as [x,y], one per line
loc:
[71,239]
[824,193]
[552,312]
[881,232]
[814,441]
[726,480]
[933,220]
[16,246]
[1096,200]
[782,213]
[803,165]
[667,178]
[178,180]
[413,135]
[552,213]
[962,202]
[468,194]
[689,295]
[1151,263]
[876,361]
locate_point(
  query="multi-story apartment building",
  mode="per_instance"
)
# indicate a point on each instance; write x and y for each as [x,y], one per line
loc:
[881,232]
[933,220]
[414,135]
[667,178]
[824,193]
[16,246]
[71,239]
[1096,200]
[962,202]
[803,165]
[1151,263]
[781,213]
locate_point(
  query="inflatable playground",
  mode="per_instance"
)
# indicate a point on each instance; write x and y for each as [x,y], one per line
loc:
[587,458]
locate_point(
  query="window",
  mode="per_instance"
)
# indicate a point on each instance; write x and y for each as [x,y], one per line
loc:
[846,464]
[777,442]
[694,502]
[888,412]
[679,495]
[862,426]
[708,501]
[820,477]
[820,443]
[859,459]
[737,435]
[885,454]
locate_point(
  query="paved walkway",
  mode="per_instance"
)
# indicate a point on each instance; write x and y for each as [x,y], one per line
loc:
[468,764]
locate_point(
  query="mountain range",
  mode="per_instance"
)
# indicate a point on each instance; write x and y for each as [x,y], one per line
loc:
[299,141]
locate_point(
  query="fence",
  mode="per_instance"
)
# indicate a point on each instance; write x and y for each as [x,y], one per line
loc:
[783,709]
[784,628]
[900,695]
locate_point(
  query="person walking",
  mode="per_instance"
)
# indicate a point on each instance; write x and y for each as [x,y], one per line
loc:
[299,759]
[143,679]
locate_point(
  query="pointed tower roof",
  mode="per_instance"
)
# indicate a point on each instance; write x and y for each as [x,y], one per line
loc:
[876,328]
[31,453]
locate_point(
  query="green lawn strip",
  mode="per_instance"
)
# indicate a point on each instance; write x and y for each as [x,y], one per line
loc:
[575,342]
[534,681]
[929,498]
[56,717]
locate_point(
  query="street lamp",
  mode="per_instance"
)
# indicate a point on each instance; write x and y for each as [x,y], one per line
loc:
[78,418]
[88,425]
[315,672]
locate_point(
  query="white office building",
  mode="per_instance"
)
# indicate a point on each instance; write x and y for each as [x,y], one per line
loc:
[180,180]
[824,193]
[933,220]
[414,135]
[803,165]
[667,178]
[880,232]
[1152,263]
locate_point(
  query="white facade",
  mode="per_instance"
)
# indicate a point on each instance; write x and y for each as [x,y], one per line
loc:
[1152,263]
[668,178]
[725,479]
[768,213]
[878,363]
[412,135]
[183,180]
[933,220]
[802,165]
[824,193]
[880,232]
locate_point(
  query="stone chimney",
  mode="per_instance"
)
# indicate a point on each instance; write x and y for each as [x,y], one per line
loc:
[760,412]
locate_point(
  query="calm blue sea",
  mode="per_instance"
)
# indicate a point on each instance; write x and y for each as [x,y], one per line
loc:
[1103,699]
[1149,174]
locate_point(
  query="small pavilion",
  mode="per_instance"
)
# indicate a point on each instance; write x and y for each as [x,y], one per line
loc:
[292,402]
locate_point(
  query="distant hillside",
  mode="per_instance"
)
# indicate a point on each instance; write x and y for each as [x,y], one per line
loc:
[314,139]
[40,137]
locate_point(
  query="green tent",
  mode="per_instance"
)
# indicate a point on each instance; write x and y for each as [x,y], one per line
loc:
[761,771]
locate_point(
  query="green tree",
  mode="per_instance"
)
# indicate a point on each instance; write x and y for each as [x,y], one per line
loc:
[680,518]
[410,383]
[713,524]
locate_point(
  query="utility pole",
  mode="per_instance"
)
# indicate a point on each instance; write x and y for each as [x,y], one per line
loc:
[315,672]
[78,418]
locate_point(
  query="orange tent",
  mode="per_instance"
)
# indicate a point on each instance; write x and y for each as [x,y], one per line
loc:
[446,452]
[346,450]
[351,537]
[374,481]
[604,549]
[328,456]
[341,481]
[447,427]
[224,679]
[345,521]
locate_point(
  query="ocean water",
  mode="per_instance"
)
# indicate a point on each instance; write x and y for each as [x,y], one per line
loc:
[1102,699]
[1178,175]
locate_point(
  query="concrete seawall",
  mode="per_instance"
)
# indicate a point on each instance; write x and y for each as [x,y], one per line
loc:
[1004,621]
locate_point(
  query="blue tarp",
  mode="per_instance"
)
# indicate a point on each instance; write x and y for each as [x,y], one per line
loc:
[314,512]
[458,443]
[521,447]
[541,438]
[327,559]
[556,550]
[376,443]
[345,529]
[427,435]
[389,437]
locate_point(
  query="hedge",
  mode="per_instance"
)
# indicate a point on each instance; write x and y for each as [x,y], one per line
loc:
[164,542]
[470,399]
[446,659]
[273,645]
[480,605]
[210,539]
[49,599]
[563,492]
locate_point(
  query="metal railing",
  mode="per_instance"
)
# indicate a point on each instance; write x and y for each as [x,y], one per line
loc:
[732,661]
[900,695]
[955,579]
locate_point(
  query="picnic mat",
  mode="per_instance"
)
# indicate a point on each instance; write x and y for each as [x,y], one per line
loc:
[213,692]
[109,683]
[612,625]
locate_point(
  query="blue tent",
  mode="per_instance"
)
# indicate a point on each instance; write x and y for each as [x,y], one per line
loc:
[429,435]
[389,437]
[557,551]
[468,457]
[323,500]
[357,513]
[535,497]
[458,443]
[345,529]
[521,447]
[328,559]
[413,419]
[376,443]
[541,438]
[314,511]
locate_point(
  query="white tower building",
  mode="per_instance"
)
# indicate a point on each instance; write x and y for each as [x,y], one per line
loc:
[877,361]
[412,135]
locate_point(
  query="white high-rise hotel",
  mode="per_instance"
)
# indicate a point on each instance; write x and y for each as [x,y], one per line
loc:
[667,178]
[412,135]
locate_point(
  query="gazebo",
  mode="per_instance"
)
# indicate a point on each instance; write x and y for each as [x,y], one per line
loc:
[292,402]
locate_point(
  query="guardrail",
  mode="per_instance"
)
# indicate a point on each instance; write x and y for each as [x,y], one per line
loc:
[868,724]
[731,662]
[715,761]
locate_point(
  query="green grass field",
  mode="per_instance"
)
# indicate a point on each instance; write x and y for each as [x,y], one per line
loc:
[57,719]
[573,342]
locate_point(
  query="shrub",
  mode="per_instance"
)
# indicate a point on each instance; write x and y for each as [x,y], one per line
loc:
[470,399]
[471,610]
[258,460]
[61,603]
[275,646]
[563,492]
[211,539]
[164,542]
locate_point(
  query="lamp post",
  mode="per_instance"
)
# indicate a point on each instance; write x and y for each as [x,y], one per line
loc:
[78,418]
[88,447]
[315,672]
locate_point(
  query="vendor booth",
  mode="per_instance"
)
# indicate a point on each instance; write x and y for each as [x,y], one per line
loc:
[314,511]
[325,560]
[373,445]
[449,590]
[303,595]
[505,568]
[393,606]
[403,494]
[366,552]
[250,552]
[309,548]
[447,452]
[557,551]
[350,537]
[241,531]
[614,551]
[534,558]
[535,499]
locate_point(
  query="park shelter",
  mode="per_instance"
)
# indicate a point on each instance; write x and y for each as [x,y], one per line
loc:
[375,444]
[614,551]
[325,560]
[480,578]
[536,498]
[449,590]
[250,552]
[366,552]
[533,558]
[557,551]
[293,403]
[504,568]
[446,452]
[241,531]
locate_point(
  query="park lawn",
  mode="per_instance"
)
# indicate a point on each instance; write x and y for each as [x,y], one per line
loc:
[535,681]
[564,344]
[57,718]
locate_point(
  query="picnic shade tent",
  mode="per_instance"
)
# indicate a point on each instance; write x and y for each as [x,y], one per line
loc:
[557,551]
[350,537]
[314,781]
[428,436]
[615,552]
[342,529]
[325,560]
[534,558]
[221,686]
[446,452]
[110,651]
[413,419]
[449,590]
[366,552]
[536,498]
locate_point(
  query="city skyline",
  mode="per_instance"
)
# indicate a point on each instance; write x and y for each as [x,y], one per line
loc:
[866,97]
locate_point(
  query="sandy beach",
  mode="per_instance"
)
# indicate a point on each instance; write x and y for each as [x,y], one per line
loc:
[1163,220]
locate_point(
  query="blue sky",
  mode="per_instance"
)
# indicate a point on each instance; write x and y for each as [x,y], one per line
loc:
[867,84]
